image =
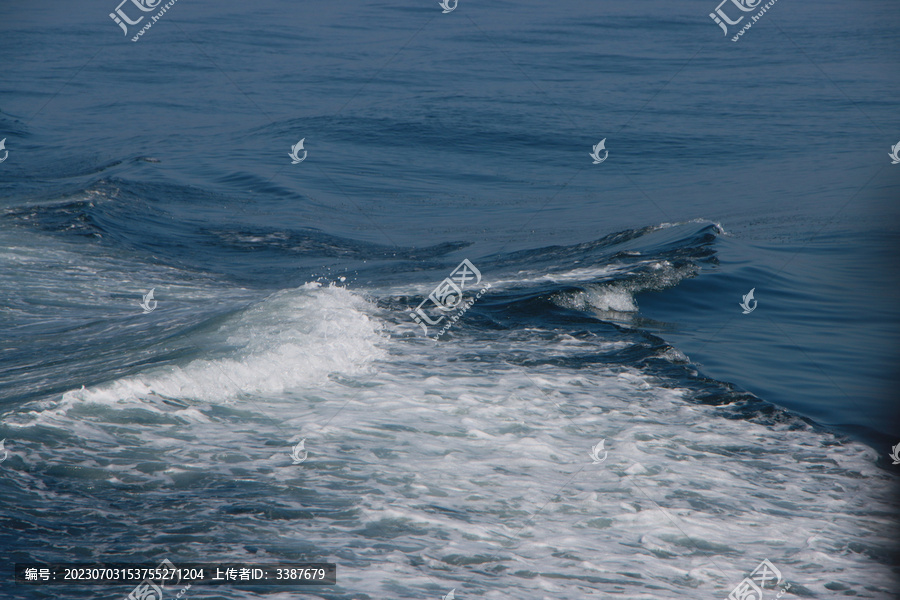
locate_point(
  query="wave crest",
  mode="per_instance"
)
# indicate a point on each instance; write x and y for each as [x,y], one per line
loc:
[295,338]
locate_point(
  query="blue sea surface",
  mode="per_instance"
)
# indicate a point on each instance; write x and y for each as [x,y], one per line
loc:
[284,295]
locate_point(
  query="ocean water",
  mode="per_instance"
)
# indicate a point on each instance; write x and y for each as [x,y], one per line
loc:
[461,461]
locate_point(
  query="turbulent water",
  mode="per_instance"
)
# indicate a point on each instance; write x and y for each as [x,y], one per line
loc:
[468,460]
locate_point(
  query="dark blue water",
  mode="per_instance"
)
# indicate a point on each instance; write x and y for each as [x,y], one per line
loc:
[284,292]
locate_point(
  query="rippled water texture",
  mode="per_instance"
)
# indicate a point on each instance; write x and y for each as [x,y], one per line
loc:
[610,318]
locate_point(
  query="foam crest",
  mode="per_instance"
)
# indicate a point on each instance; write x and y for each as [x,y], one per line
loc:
[293,339]
[615,299]
[612,298]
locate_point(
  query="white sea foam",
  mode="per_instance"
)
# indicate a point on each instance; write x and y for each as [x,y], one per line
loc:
[611,298]
[449,467]
[295,338]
